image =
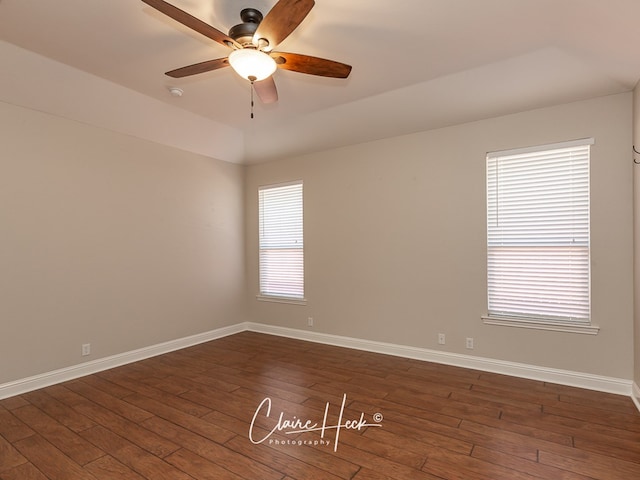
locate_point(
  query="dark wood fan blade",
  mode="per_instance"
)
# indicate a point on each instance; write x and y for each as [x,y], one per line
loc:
[201,67]
[281,20]
[311,65]
[192,22]
[266,90]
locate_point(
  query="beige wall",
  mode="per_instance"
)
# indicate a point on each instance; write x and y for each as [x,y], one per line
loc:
[110,240]
[395,239]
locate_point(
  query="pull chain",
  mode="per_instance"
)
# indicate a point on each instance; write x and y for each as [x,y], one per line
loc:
[252,79]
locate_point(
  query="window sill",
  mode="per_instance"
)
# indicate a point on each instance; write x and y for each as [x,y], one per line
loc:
[586,329]
[276,299]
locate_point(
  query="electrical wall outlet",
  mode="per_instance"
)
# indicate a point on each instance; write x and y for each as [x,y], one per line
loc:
[86,349]
[470,343]
[441,339]
[310,322]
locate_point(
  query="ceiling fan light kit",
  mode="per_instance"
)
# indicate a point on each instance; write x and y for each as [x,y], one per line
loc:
[250,42]
[252,64]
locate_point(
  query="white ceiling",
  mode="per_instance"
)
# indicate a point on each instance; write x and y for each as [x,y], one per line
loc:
[417,65]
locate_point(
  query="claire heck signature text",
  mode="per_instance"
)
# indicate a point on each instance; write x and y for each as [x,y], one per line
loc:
[295,425]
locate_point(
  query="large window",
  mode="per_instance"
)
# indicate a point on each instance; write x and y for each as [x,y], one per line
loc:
[281,241]
[538,233]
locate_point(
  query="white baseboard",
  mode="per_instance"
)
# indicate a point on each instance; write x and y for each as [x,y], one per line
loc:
[635,395]
[35,382]
[551,375]
[564,377]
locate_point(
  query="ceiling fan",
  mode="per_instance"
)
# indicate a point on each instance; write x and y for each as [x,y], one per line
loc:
[252,42]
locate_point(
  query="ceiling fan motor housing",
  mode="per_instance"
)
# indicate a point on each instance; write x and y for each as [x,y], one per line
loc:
[243,32]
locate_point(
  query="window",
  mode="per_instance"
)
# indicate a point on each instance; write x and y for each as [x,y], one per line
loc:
[281,242]
[538,234]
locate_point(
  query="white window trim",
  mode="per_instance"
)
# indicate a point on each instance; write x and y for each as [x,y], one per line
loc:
[553,326]
[281,299]
[584,327]
[537,148]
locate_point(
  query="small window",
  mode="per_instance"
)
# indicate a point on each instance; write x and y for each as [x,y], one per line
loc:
[538,233]
[281,241]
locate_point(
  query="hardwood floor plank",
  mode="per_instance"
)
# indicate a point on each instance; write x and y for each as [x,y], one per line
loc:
[26,471]
[615,447]
[590,464]
[410,414]
[548,435]
[108,468]
[417,440]
[502,402]
[595,414]
[522,465]
[51,461]
[62,413]
[593,396]
[264,385]
[308,467]
[205,379]
[507,442]
[157,394]
[67,441]
[109,402]
[12,428]
[434,403]
[356,392]
[199,467]
[145,463]
[368,474]
[232,424]
[195,424]
[12,403]
[213,451]
[103,385]
[9,456]
[572,426]
[387,466]
[506,381]
[440,463]
[616,403]
[119,425]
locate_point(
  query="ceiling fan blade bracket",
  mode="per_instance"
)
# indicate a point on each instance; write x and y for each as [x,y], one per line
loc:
[262,44]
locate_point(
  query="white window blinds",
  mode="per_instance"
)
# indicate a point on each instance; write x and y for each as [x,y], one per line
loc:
[281,241]
[538,232]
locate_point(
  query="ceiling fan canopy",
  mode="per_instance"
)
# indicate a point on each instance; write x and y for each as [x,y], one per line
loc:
[252,42]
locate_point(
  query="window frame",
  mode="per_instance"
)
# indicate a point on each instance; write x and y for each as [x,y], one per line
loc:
[268,294]
[523,318]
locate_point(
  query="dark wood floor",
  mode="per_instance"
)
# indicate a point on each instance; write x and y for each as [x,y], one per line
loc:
[187,415]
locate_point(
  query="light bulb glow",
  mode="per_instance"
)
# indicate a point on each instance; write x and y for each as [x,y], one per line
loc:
[252,64]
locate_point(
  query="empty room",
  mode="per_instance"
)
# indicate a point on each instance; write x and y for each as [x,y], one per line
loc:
[319,240]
